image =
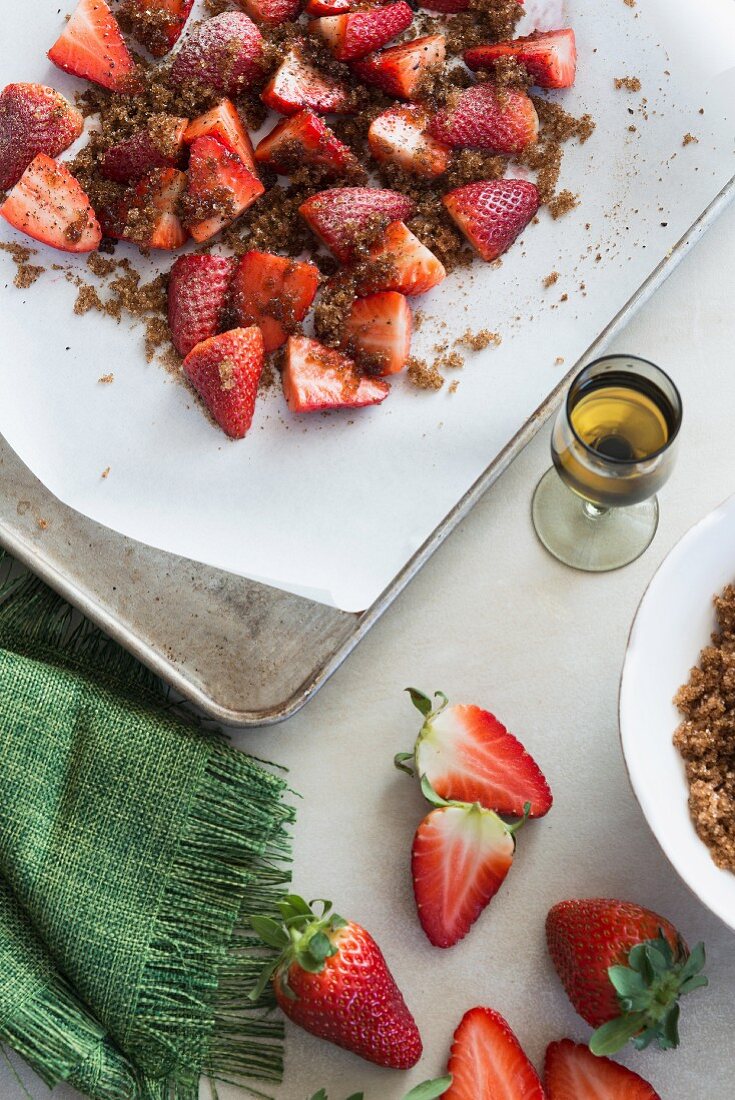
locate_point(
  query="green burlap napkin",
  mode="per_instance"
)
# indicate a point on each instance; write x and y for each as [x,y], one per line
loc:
[132,843]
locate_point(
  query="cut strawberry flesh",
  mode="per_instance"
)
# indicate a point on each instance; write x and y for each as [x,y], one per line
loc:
[402,70]
[377,332]
[480,118]
[151,214]
[224,123]
[549,56]
[139,154]
[357,34]
[272,12]
[487,1061]
[220,188]
[491,213]
[198,297]
[400,261]
[273,292]
[399,136]
[297,85]
[33,119]
[91,46]
[304,139]
[328,7]
[573,1072]
[156,24]
[49,205]
[317,378]
[224,53]
[225,371]
[340,216]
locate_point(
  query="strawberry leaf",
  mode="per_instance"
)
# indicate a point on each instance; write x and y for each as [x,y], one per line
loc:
[401,762]
[429,1090]
[612,1036]
[420,701]
[270,932]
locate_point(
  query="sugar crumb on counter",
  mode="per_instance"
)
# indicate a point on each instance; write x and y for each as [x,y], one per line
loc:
[423,375]
[629,83]
[690,139]
[106,379]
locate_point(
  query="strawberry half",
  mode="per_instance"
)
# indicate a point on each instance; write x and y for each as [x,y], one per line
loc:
[400,261]
[271,12]
[91,46]
[460,857]
[377,332]
[224,53]
[49,205]
[480,118]
[399,136]
[316,378]
[332,980]
[328,7]
[198,296]
[225,371]
[491,213]
[549,56]
[340,216]
[156,24]
[224,123]
[33,119]
[487,1061]
[304,139]
[401,70]
[466,754]
[273,292]
[220,188]
[358,33]
[572,1072]
[623,968]
[158,146]
[296,85]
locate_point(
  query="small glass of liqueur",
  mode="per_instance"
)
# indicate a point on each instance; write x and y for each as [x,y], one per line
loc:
[612,448]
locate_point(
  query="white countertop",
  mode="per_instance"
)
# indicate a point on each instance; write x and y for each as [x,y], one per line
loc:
[494,620]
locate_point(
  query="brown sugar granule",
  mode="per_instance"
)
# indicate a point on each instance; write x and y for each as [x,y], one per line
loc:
[630,3]
[43,524]
[19,253]
[564,298]
[508,72]
[706,737]
[630,83]
[423,375]
[99,266]
[562,203]
[87,299]
[478,341]
[551,279]
[26,275]
[690,139]
[449,359]
[106,379]
[105,473]
[454,386]
[559,360]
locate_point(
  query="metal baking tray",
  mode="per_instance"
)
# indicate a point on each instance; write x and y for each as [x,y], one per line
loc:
[245,653]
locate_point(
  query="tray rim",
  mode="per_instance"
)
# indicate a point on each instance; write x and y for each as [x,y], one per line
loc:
[364,621]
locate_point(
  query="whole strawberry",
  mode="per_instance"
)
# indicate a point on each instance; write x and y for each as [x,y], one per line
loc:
[332,980]
[624,969]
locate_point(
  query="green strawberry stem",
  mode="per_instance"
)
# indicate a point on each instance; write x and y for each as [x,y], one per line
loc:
[303,937]
[428,1090]
[436,800]
[404,761]
[648,991]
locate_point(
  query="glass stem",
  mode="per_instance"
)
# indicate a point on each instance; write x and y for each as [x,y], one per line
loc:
[592,511]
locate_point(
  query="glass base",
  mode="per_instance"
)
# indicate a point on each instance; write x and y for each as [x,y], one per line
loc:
[595,543]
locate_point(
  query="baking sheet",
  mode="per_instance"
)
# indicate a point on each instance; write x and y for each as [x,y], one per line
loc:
[333,509]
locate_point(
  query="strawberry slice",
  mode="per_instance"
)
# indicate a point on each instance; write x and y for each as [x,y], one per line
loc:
[273,292]
[480,118]
[224,123]
[224,54]
[549,56]
[317,378]
[48,204]
[160,145]
[198,296]
[272,12]
[328,7]
[400,261]
[156,24]
[487,1061]
[460,857]
[491,213]
[466,754]
[33,119]
[225,371]
[573,1072]
[91,46]
[340,216]
[304,139]
[220,188]
[153,217]
[358,33]
[402,70]
[377,332]
[296,85]
[399,136]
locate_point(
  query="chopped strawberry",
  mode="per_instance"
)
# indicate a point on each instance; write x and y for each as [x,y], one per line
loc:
[225,371]
[328,7]
[272,12]
[573,1072]
[273,292]
[33,119]
[198,297]
[158,146]
[224,53]
[377,332]
[224,123]
[156,24]
[549,56]
[296,84]
[467,754]
[316,378]
[487,1061]
[48,204]
[305,139]
[491,213]
[150,215]
[402,70]
[339,216]
[480,118]
[91,46]
[399,136]
[400,261]
[220,188]
[357,34]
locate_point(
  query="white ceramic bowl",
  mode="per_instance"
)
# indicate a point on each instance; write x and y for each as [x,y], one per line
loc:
[673,623]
